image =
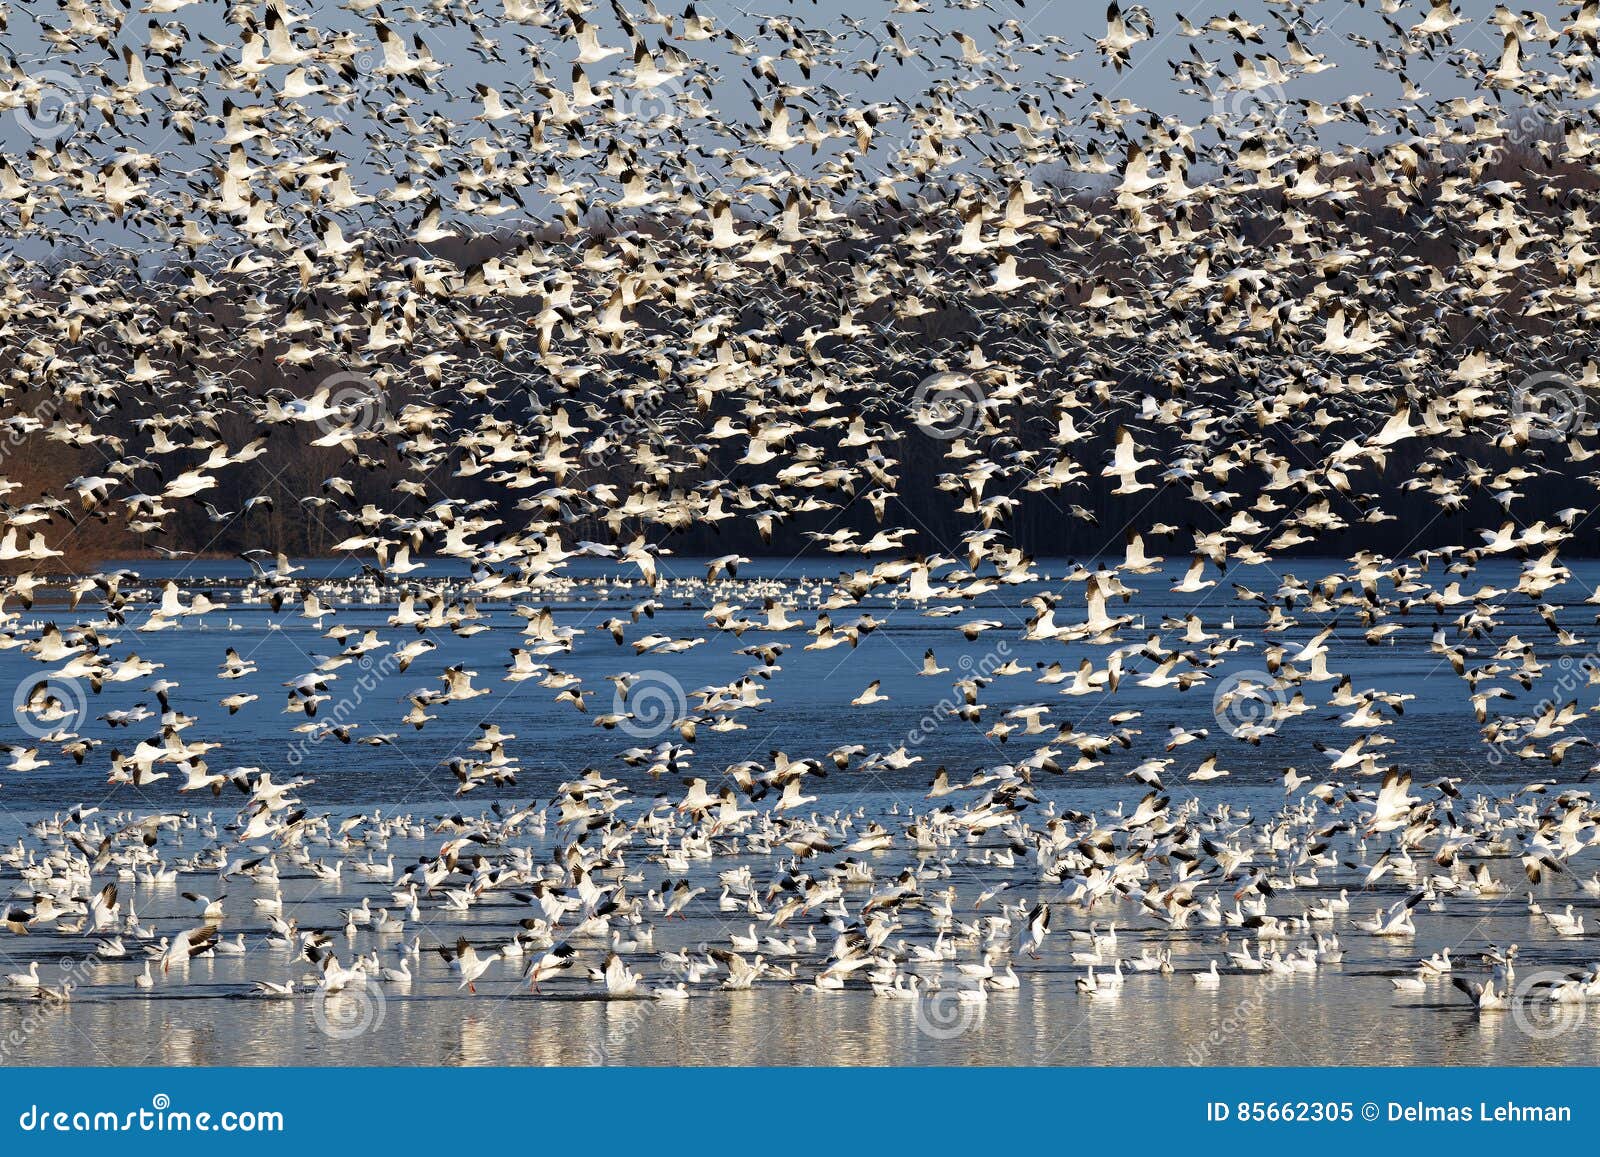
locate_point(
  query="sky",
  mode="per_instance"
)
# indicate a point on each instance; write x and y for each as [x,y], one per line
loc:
[1149,83]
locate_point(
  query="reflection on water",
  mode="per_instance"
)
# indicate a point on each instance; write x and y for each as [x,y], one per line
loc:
[1156,1021]
[1347,1013]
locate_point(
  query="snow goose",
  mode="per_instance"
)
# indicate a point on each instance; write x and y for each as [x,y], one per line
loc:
[618,978]
[1412,984]
[1489,995]
[468,964]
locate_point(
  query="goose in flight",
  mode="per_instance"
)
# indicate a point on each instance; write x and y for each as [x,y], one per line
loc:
[467,963]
